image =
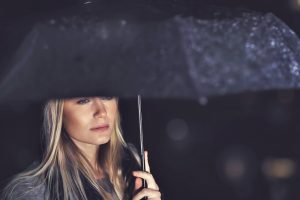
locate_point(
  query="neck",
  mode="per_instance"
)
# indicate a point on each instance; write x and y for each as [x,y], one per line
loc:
[91,152]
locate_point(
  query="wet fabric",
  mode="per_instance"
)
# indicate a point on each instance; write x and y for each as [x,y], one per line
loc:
[172,56]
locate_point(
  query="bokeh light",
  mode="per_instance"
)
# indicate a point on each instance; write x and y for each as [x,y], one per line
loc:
[279,168]
[177,129]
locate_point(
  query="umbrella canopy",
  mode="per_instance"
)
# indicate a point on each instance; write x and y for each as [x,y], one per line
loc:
[161,56]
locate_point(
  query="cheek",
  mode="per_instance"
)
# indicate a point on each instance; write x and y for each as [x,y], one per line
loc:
[113,112]
[75,123]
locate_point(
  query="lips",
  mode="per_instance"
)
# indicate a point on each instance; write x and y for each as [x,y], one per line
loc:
[101,127]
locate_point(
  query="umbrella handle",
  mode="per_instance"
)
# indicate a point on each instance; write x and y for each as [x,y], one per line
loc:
[144,184]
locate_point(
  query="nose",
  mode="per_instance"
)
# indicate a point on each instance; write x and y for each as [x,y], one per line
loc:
[100,109]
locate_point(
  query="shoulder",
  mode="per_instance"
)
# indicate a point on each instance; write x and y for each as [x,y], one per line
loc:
[25,187]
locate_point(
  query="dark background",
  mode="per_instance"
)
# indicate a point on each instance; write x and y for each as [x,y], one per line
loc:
[236,147]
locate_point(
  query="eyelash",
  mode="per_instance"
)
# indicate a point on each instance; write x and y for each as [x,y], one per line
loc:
[83,101]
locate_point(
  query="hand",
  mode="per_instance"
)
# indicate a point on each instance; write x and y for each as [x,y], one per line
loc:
[152,191]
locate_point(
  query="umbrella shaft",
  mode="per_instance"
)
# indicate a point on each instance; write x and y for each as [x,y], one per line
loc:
[144,184]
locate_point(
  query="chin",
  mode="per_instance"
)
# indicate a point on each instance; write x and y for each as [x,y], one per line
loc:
[103,141]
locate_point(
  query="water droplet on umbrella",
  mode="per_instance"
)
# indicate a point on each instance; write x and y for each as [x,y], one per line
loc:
[250,45]
[103,33]
[52,21]
[272,43]
[294,67]
[62,28]
[45,47]
[203,101]
[123,22]
[87,2]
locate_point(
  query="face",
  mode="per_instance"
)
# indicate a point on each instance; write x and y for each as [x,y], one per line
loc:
[89,120]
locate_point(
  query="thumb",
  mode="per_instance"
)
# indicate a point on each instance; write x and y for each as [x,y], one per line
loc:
[138,184]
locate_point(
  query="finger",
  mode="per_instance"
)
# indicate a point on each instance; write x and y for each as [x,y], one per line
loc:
[146,192]
[138,184]
[148,177]
[147,161]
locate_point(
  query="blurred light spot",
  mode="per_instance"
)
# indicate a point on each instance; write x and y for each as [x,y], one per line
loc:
[279,168]
[177,129]
[203,101]
[237,164]
[235,168]
[295,5]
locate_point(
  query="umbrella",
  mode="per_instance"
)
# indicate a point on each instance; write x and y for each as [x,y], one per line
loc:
[158,56]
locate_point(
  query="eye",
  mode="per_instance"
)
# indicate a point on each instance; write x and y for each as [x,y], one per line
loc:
[106,98]
[83,101]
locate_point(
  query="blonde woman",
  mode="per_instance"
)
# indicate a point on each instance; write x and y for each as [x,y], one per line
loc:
[84,156]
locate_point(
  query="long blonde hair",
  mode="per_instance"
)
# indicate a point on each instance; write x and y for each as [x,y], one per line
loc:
[63,164]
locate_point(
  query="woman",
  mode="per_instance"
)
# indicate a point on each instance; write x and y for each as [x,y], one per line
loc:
[84,157]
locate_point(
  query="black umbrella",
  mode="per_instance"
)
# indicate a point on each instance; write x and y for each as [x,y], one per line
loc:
[154,54]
